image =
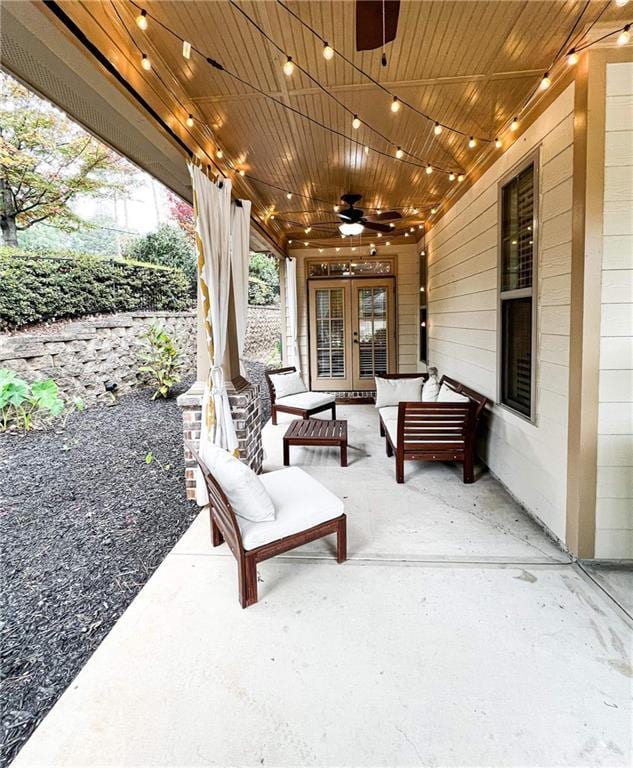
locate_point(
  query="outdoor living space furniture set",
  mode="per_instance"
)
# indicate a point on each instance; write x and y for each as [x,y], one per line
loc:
[260,516]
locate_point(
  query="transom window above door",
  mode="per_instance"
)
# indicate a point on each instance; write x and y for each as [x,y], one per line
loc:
[349,268]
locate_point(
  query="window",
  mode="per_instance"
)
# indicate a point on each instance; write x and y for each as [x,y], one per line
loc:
[423,308]
[516,292]
[334,268]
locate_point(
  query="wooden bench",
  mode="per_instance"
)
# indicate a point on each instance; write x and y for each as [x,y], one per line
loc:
[436,431]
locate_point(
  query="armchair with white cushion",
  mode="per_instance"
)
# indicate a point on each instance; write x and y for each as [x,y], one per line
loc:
[289,394]
[260,516]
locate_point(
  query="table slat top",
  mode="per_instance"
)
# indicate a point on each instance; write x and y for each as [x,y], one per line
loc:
[317,429]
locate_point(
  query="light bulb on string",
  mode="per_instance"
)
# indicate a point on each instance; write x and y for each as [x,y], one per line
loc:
[242,172]
[498,143]
[307,230]
[625,36]
[395,104]
[141,20]
[451,177]
[337,208]
[429,169]
[621,3]
[545,82]
[219,154]
[437,129]
[328,51]
[145,62]
[472,143]
[572,57]
[433,210]
[460,178]
[288,67]
[366,149]
[289,195]
[186,50]
[392,225]
[399,153]
[514,124]
[189,121]
[355,122]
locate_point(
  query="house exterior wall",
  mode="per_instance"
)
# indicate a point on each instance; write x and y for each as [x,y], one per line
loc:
[614,491]
[407,288]
[529,458]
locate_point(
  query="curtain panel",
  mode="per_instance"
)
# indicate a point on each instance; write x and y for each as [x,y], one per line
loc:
[240,252]
[291,308]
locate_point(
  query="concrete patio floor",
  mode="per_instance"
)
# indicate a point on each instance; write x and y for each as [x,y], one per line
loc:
[456,634]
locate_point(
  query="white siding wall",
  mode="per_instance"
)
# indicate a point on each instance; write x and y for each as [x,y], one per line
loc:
[407,289]
[614,503]
[530,459]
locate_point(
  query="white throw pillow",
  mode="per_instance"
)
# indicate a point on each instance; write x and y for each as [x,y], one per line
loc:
[287,384]
[394,391]
[430,390]
[244,490]
[448,395]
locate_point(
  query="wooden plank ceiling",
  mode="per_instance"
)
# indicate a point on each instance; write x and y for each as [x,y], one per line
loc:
[469,65]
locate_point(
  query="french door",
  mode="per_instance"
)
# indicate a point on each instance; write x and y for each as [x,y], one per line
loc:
[352,332]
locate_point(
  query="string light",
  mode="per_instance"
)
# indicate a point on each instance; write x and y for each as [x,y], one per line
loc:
[472,143]
[189,121]
[141,20]
[307,230]
[145,62]
[186,50]
[498,143]
[514,124]
[395,104]
[572,57]
[399,153]
[460,178]
[438,129]
[219,154]
[387,243]
[288,67]
[328,52]
[433,210]
[380,234]
[366,149]
[392,225]
[355,122]
[429,169]
[625,36]
[451,177]
[337,208]
[406,234]
[621,3]
[289,195]
[545,82]
[242,172]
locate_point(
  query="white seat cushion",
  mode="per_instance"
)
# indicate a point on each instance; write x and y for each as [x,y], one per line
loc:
[300,502]
[388,412]
[306,400]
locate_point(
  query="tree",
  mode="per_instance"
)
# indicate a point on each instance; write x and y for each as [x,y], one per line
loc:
[182,212]
[168,246]
[263,280]
[46,160]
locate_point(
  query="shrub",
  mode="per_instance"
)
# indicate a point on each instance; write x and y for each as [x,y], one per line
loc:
[35,288]
[162,361]
[21,402]
[263,281]
[170,247]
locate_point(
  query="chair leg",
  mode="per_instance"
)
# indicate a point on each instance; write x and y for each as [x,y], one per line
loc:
[333,411]
[388,447]
[341,540]
[216,534]
[274,416]
[399,469]
[469,472]
[382,429]
[251,580]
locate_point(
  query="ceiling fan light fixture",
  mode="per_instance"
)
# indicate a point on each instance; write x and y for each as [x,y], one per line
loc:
[351,228]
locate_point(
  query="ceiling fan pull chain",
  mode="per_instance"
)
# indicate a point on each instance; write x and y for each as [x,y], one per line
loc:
[384,55]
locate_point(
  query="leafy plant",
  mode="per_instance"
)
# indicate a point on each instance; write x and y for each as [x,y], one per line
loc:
[263,279]
[163,364]
[21,402]
[169,246]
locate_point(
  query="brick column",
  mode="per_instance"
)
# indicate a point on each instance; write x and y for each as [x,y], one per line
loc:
[245,409]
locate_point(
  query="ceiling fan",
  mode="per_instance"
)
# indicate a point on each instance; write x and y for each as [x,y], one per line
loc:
[354,220]
[376,24]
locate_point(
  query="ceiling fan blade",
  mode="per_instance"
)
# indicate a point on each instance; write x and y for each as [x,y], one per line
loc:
[375,226]
[369,23]
[385,216]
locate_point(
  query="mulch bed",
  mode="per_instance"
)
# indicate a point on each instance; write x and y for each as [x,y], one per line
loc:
[84,522]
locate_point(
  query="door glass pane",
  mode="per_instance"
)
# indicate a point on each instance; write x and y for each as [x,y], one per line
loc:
[330,333]
[516,350]
[372,332]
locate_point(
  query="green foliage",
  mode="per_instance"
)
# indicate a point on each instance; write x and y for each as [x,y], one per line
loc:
[97,236]
[162,360]
[46,160]
[22,403]
[36,288]
[263,280]
[169,246]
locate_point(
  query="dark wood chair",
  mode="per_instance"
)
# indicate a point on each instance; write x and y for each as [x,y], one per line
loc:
[436,431]
[295,410]
[225,528]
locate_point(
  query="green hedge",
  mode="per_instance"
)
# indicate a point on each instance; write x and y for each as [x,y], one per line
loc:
[35,288]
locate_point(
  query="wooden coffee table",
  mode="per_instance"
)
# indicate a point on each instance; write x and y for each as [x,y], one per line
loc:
[316,432]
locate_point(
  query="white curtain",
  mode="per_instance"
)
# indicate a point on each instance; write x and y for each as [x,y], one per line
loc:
[240,234]
[291,306]
[212,203]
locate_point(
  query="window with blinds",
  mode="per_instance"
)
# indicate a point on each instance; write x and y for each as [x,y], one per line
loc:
[372,332]
[516,294]
[330,322]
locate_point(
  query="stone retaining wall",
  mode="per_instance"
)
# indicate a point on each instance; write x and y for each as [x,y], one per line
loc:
[84,356]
